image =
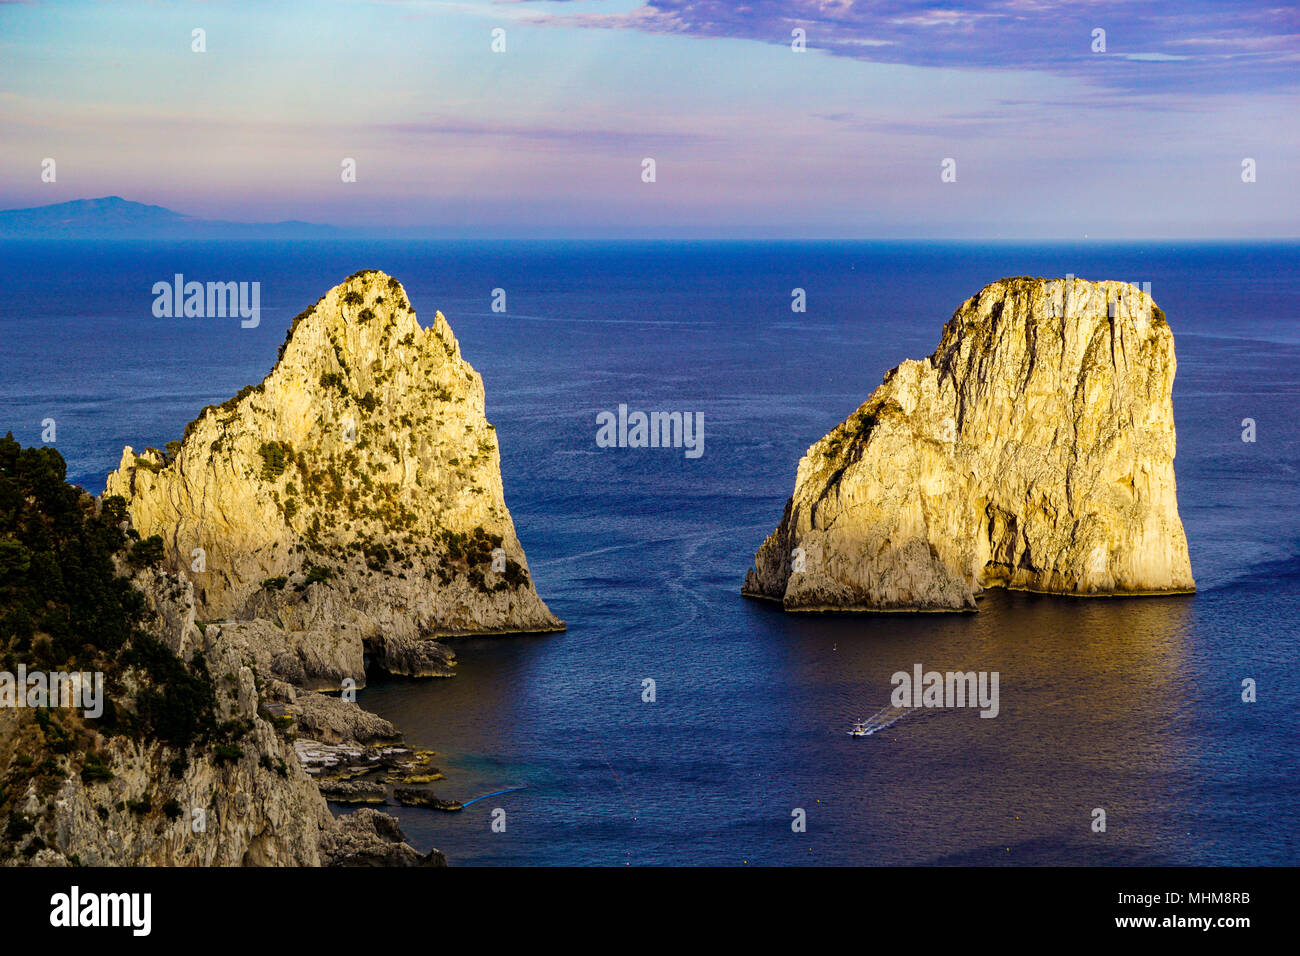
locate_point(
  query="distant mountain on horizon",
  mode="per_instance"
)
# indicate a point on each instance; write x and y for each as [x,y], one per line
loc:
[112,217]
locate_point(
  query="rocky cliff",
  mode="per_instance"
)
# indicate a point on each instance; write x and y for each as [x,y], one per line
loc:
[240,797]
[1033,450]
[348,508]
[184,753]
[352,497]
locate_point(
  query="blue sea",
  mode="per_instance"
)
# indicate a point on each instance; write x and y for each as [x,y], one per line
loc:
[1129,705]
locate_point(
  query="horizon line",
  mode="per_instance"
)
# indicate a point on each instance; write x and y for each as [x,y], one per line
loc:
[352,235]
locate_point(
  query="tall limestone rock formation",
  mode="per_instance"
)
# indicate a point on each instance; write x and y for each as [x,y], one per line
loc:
[1033,450]
[354,496]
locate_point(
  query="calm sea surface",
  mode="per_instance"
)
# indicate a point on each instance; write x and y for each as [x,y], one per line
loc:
[1131,705]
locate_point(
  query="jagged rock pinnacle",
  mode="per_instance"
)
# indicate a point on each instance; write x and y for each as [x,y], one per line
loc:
[356,489]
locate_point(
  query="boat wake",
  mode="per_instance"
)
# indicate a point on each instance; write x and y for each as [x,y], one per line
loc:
[884,718]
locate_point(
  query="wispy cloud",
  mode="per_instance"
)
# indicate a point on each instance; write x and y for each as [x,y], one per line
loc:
[594,138]
[1198,45]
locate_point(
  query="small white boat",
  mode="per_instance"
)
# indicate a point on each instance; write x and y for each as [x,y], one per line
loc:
[859,729]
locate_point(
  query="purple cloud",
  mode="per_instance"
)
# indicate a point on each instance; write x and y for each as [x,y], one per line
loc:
[1194,46]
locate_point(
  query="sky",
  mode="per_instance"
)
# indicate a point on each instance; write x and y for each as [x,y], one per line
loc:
[1048,135]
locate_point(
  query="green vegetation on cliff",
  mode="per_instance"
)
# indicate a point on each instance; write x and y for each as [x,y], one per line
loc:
[64,607]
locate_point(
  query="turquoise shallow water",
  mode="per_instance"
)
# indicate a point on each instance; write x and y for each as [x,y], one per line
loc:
[1129,704]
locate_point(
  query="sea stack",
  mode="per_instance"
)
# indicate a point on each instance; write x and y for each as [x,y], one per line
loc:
[1033,450]
[354,495]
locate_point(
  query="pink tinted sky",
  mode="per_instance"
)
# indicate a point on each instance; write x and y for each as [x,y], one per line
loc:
[750,138]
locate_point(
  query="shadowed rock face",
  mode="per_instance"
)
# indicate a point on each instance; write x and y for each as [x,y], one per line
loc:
[1034,449]
[356,491]
[370,838]
[258,804]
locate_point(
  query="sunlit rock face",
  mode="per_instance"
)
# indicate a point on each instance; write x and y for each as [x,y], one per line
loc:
[1033,450]
[356,490]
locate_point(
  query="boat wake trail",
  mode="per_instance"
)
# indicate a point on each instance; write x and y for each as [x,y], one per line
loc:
[885,717]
